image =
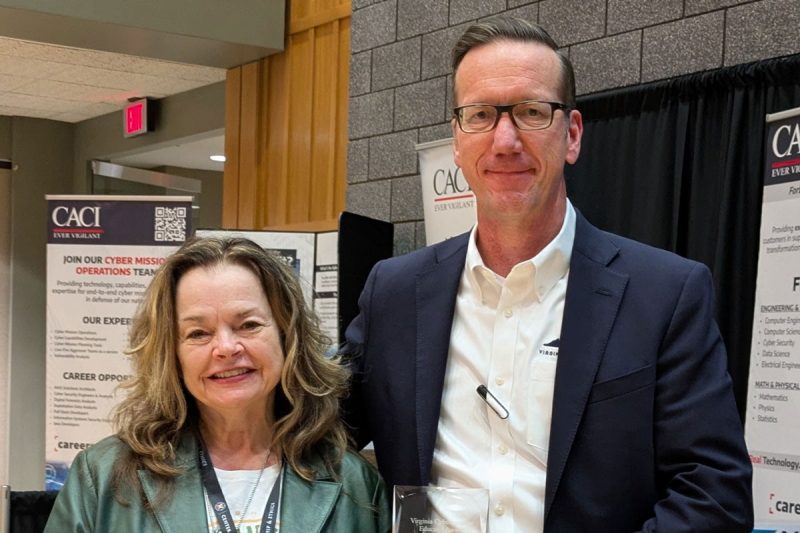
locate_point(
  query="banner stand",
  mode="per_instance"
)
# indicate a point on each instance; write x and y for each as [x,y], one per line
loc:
[102,252]
[772,425]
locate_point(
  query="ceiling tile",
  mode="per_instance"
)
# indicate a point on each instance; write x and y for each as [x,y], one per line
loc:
[72,91]
[31,68]
[25,112]
[56,105]
[177,70]
[9,82]
[10,46]
[141,84]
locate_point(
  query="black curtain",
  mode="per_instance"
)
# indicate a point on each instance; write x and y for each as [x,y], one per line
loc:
[679,164]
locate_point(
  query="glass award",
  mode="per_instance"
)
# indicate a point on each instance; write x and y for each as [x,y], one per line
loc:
[439,510]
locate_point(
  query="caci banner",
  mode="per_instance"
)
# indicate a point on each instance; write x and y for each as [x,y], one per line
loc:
[102,252]
[448,201]
[772,426]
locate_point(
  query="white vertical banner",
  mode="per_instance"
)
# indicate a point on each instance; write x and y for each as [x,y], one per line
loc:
[102,252]
[448,201]
[773,399]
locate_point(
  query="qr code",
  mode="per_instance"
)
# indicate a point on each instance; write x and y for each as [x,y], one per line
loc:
[170,224]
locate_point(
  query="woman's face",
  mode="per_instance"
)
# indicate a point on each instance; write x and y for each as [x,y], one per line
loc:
[229,346]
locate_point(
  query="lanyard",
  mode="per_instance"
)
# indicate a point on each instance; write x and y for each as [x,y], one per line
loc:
[220,506]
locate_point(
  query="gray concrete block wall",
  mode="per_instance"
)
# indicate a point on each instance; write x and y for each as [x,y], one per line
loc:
[400,83]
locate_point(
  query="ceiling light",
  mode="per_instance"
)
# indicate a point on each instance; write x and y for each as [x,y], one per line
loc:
[218,158]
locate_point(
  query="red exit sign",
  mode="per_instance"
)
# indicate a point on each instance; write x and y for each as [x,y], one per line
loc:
[135,118]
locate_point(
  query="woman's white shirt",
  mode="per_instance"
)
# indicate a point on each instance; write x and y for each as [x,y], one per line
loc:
[237,485]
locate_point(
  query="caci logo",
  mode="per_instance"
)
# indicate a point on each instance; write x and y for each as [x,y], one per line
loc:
[786,140]
[72,217]
[447,182]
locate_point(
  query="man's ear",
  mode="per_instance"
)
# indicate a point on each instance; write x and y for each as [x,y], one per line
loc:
[574,135]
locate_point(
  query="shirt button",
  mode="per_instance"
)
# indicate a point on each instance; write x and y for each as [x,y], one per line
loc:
[508,313]
[499,510]
[503,449]
[499,381]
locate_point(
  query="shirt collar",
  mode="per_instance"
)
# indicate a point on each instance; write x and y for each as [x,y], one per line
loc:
[538,274]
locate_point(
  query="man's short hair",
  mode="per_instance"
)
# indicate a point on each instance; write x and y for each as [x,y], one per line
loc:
[514,29]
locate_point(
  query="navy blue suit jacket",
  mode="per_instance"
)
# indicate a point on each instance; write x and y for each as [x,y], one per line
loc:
[645,434]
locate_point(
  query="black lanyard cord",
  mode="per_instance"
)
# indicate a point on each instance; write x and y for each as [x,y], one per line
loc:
[220,506]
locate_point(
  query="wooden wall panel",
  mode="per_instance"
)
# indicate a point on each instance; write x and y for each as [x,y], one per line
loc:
[286,124]
[323,147]
[276,178]
[301,92]
[230,184]
[249,136]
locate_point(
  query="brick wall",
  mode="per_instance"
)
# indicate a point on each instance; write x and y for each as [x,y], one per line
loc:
[400,83]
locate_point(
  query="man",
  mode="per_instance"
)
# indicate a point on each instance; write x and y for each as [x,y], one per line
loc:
[608,406]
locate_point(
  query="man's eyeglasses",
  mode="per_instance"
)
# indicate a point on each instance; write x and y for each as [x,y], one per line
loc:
[527,115]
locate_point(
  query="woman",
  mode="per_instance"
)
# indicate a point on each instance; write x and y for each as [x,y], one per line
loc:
[231,421]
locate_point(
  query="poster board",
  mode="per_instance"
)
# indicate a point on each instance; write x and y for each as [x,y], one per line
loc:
[102,252]
[772,425]
[326,284]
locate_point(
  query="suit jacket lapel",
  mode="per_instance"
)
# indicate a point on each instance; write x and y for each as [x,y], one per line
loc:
[594,293]
[308,505]
[186,510]
[436,299]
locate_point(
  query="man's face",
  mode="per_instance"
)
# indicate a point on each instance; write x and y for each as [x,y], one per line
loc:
[514,173]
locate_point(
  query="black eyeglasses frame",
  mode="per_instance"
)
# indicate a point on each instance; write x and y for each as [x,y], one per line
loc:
[508,109]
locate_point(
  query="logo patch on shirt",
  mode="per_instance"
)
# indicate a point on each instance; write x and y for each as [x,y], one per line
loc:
[549,349]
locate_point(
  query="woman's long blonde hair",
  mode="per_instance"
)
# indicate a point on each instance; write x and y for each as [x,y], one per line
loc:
[158,409]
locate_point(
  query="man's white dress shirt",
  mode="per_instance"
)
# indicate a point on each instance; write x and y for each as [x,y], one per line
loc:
[505,335]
